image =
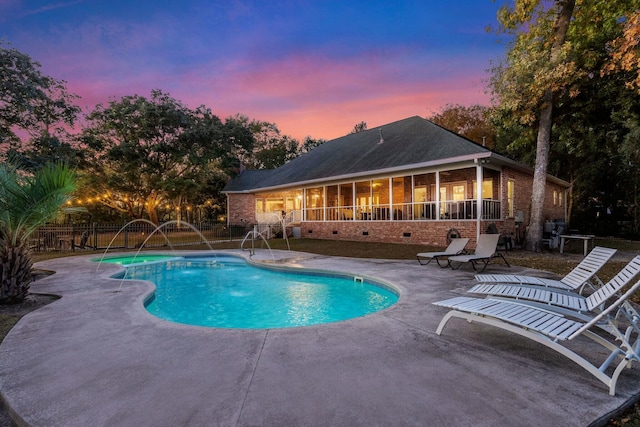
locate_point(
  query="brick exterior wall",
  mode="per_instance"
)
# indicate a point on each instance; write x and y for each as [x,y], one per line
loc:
[432,233]
[241,208]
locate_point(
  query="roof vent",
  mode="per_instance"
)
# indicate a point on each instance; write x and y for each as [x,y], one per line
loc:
[381,138]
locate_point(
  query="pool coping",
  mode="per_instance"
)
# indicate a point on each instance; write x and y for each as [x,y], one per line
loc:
[95,356]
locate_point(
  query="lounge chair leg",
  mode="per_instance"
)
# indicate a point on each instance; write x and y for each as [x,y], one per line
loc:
[485,263]
[440,265]
[425,263]
[504,259]
[444,321]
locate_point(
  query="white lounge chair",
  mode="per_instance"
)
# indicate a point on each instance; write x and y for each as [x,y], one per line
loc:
[486,250]
[584,273]
[551,326]
[554,296]
[456,247]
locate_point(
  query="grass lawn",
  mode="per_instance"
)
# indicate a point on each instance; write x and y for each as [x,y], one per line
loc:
[551,261]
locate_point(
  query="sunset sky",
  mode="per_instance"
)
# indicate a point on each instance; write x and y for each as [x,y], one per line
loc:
[315,68]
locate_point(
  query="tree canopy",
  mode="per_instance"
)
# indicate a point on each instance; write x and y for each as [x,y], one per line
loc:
[473,122]
[30,101]
[270,149]
[147,153]
[549,95]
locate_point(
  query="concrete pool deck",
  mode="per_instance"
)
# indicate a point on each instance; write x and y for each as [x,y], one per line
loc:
[96,357]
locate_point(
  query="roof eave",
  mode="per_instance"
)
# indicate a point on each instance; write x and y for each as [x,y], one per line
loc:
[384,171]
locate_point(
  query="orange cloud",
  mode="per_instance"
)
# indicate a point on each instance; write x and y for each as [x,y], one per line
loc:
[313,96]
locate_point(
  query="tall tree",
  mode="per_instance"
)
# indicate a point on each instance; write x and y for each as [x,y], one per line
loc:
[149,152]
[473,122]
[537,67]
[271,149]
[31,102]
[39,151]
[548,86]
[26,203]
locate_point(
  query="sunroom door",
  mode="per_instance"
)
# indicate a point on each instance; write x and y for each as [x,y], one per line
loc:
[450,197]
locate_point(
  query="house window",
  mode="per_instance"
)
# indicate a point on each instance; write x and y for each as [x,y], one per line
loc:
[555,198]
[451,194]
[401,197]
[511,191]
[346,202]
[380,199]
[314,204]
[560,199]
[274,205]
[487,189]
[332,203]
[363,200]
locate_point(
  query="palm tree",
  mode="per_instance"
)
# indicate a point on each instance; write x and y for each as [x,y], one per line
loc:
[26,203]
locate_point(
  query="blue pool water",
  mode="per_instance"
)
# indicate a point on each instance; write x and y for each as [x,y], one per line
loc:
[226,292]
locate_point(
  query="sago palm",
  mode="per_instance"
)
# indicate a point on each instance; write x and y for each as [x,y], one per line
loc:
[26,203]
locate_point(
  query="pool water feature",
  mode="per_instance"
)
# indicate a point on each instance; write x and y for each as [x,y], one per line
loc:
[227,292]
[136,259]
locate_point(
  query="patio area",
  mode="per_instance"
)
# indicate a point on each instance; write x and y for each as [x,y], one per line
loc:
[96,357]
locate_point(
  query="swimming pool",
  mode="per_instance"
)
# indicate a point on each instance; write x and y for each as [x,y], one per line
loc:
[227,292]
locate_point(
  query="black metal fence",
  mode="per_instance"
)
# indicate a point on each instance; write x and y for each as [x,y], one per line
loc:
[70,237]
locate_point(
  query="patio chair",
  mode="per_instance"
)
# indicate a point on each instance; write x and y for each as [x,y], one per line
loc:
[456,247]
[486,250]
[554,296]
[553,327]
[583,274]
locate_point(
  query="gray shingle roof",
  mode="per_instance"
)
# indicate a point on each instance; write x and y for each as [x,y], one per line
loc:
[406,142]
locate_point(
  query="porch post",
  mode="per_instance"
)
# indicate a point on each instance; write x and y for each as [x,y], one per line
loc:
[391,216]
[437,195]
[324,203]
[413,198]
[304,205]
[353,201]
[479,212]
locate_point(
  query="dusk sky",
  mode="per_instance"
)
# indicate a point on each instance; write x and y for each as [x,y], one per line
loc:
[315,68]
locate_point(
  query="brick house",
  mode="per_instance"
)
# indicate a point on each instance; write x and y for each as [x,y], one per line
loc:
[410,181]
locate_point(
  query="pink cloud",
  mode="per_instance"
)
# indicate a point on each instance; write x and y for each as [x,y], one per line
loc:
[324,99]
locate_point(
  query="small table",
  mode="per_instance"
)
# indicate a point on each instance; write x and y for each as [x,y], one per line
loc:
[585,238]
